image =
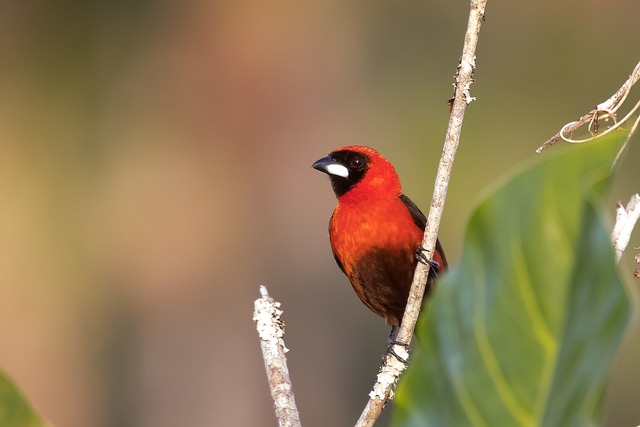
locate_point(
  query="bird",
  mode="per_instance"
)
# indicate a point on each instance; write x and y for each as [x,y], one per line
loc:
[376,231]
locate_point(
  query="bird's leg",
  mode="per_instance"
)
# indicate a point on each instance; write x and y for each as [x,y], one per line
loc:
[433,264]
[391,341]
[392,334]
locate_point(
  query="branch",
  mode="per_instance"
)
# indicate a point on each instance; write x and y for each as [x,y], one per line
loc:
[606,110]
[626,218]
[392,368]
[271,330]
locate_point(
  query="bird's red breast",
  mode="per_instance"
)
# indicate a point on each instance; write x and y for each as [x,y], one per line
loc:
[358,228]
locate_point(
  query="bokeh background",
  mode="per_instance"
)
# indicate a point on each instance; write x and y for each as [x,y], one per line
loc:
[155,169]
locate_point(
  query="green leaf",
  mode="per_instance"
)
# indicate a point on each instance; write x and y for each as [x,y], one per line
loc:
[15,410]
[523,331]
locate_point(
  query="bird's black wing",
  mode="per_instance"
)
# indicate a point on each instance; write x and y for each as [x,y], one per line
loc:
[418,217]
[421,221]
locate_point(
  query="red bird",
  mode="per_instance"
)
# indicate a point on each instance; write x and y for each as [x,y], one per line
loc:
[375,230]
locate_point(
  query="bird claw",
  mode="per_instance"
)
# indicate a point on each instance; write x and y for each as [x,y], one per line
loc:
[420,255]
[391,341]
[392,352]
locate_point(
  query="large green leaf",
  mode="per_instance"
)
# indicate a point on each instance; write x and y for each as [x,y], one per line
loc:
[523,331]
[15,410]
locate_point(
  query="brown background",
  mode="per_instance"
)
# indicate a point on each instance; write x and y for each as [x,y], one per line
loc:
[155,168]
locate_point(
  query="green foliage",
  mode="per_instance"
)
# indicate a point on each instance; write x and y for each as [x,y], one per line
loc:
[15,411]
[523,331]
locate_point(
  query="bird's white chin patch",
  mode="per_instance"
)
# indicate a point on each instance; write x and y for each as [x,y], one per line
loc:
[338,170]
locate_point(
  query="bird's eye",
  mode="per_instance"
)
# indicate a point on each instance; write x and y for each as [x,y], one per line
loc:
[356,163]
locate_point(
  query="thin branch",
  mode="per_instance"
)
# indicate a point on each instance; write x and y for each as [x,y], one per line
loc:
[270,327]
[606,110]
[626,140]
[392,368]
[626,219]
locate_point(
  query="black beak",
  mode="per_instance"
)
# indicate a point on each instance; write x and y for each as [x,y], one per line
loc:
[331,167]
[323,164]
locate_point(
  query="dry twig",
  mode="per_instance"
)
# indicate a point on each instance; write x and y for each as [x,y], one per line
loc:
[604,111]
[626,219]
[392,368]
[271,330]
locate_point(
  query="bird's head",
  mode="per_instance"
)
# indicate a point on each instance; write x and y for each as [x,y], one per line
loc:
[360,173]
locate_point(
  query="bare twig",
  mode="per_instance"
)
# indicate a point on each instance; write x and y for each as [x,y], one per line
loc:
[392,368]
[626,140]
[636,272]
[604,111]
[271,330]
[626,218]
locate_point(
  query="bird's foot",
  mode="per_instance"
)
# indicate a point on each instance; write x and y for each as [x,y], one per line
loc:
[391,351]
[422,257]
[391,341]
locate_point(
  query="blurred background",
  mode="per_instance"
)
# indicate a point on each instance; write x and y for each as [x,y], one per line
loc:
[155,169]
